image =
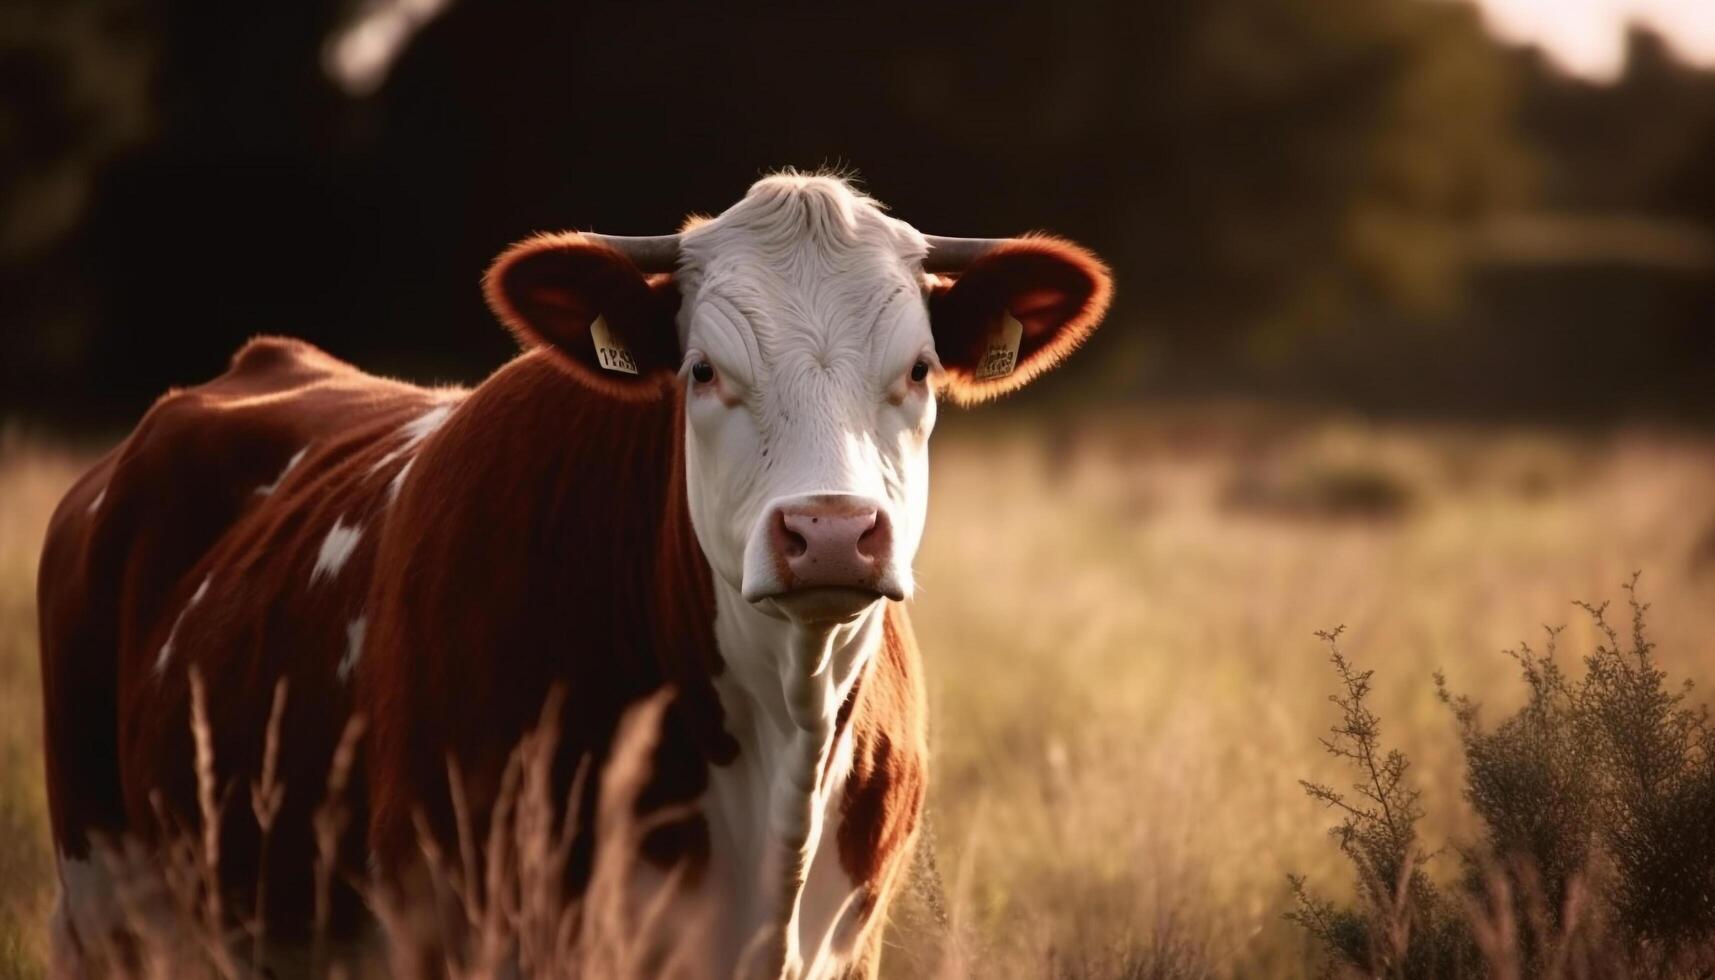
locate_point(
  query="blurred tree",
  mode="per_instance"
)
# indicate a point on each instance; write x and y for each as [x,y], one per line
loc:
[1253,167]
[74,95]
[76,82]
[1323,153]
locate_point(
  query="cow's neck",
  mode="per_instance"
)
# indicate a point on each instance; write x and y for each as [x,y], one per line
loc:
[783,690]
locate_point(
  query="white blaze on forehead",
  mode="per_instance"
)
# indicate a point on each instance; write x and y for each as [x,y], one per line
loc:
[95,505]
[297,458]
[354,633]
[336,549]
[166,653]
[414,432]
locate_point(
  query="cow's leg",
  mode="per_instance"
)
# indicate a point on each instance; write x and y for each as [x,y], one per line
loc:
[109,907]
[81,761]
[86,920]
[111,916]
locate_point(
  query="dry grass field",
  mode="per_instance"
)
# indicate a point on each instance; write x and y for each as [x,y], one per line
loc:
[1118,617]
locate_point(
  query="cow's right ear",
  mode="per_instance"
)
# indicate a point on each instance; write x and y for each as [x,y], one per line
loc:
[612,327]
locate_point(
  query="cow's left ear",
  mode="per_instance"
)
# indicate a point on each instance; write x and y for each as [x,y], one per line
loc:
[1040,293]
[610,326]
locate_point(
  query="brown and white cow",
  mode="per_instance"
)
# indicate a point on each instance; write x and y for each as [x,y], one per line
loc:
[708,473]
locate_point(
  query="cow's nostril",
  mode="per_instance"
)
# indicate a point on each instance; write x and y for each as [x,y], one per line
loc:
[791,543]
[874,542]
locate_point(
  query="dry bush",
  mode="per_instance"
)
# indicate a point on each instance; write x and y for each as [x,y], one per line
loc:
[1401,925]
[1596,848]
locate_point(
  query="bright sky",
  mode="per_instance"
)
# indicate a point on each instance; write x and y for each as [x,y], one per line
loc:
[1588,37]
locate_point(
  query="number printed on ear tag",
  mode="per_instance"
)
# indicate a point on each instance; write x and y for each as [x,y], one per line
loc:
[1001,355]
[609,351]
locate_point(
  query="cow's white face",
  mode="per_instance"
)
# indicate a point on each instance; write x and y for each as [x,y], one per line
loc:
[809,347]
[809,370]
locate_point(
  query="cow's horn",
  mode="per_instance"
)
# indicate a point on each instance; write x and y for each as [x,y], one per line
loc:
[955,254]
[650,253]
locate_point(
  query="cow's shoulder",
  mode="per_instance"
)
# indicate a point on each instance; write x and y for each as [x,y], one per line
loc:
[277,395]
[258,403]
[275,362]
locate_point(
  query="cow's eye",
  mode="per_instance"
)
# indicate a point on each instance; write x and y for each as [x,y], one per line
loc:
[920,370]
[703,372]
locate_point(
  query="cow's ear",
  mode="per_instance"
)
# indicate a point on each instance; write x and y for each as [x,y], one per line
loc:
[612,327]
[1014,313]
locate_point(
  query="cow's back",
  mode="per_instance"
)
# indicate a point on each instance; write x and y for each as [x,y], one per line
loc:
[208,538]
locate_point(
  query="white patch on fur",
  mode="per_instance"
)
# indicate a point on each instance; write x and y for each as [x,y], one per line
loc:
[398,482]
[336,549]
[418,429]
[95,505]
[297,458]
[414,432]
[354,633]
[166,653]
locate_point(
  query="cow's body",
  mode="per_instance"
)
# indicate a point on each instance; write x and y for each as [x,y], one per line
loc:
[438,561]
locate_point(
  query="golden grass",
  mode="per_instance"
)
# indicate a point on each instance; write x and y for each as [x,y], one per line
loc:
[1118,621]
[32,477]
[1126,688]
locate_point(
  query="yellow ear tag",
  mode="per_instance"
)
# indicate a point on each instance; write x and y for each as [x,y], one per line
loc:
[1001,355]
[609,351]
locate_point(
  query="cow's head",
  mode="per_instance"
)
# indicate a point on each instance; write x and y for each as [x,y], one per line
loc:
[811,335]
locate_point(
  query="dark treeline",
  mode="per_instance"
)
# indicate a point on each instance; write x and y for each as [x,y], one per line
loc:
[1294,193]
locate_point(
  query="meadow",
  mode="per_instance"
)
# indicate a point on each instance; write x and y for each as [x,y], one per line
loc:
[1118,614]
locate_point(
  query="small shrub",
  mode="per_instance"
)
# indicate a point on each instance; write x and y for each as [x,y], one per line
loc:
[1596,854]
[1401,925]
[1526,782]
[1654,775]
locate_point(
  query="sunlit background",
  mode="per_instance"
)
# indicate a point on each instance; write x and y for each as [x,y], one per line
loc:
[1588,37]
[1415,333]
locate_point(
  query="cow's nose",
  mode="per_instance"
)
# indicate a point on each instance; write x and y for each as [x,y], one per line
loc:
[831,540]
